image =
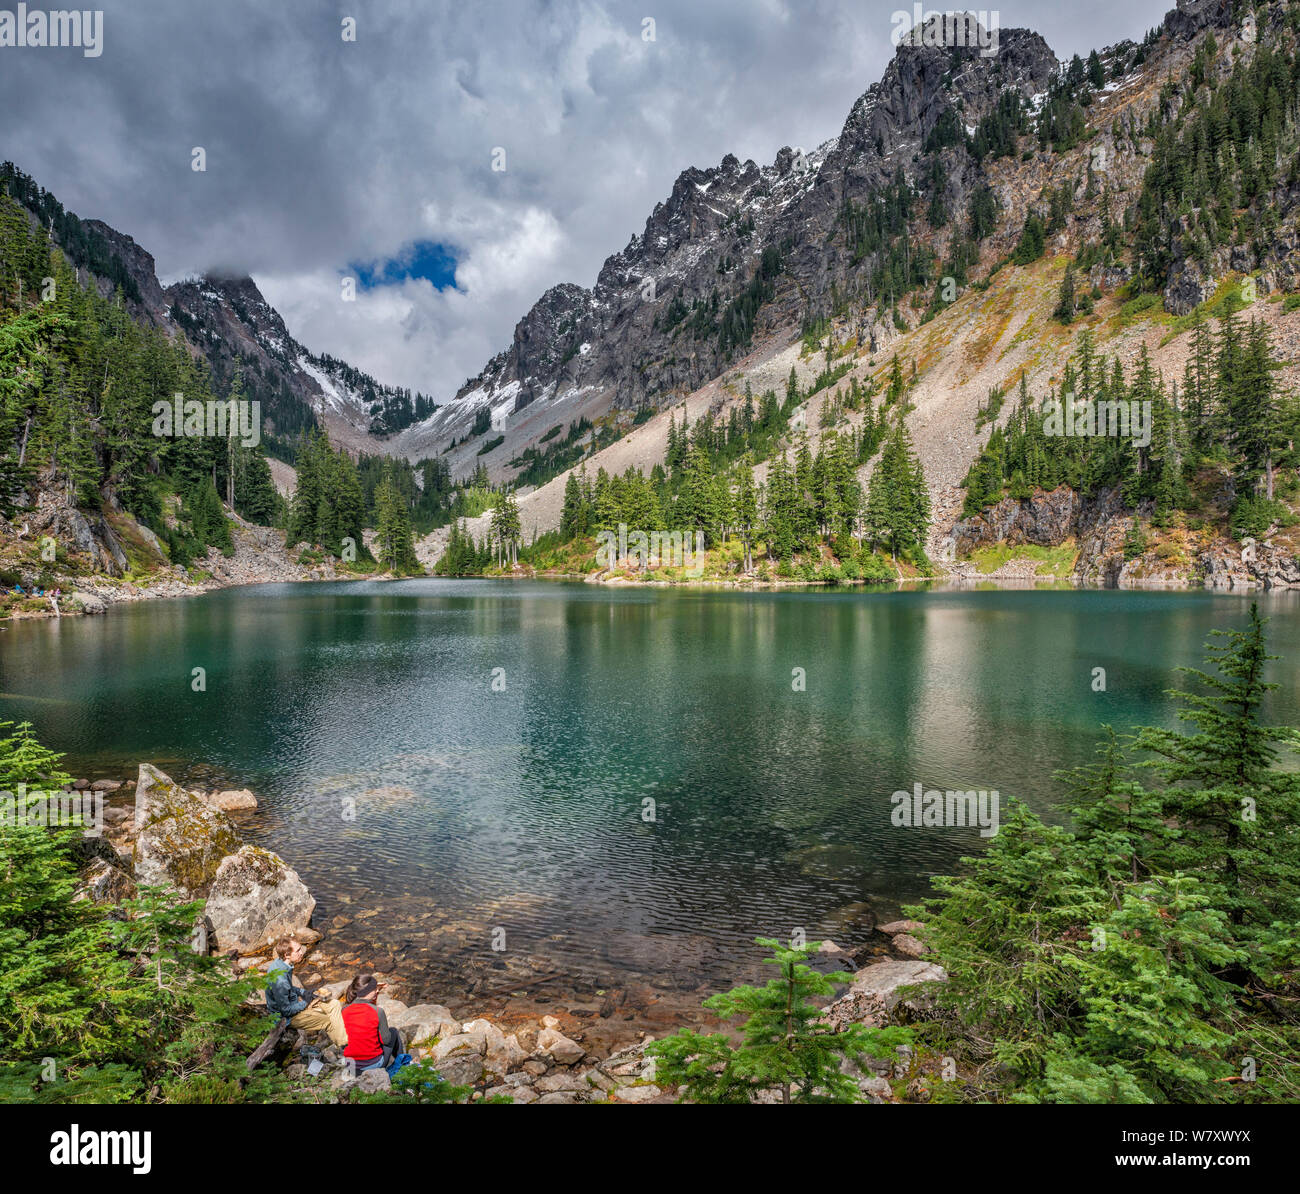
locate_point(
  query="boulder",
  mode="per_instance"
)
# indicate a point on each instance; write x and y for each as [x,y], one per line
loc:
[562,1080]
[637,1094]
[495,1052]
[255,898]
[883,979]
[554,1045]
[344,1079]
[84,603]
[460,1069]
[501,1053]
[103,883]
[457,1043]
[909,946]
[516,1094]
[89,847]
[901,926]
[423,1022]
[875,992]
[374,1081]
[180,838]
[232,801]
[106,785]
[877,1090]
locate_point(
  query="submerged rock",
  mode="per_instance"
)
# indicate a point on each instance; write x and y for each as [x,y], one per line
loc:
[232,801]
[901,926]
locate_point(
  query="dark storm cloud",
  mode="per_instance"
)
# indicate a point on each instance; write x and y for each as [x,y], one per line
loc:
[322,152]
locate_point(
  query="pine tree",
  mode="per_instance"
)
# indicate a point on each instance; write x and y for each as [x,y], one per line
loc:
[785,1048]
[1238,815]
[393,541]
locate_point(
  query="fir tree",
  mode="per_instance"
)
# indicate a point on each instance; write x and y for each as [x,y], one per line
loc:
[785,1048]
[393,539]
[1237,813]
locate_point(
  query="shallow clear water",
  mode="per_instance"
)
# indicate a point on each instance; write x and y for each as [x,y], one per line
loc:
[428,810]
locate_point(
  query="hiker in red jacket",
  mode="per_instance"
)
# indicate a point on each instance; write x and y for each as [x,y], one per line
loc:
[371,1042]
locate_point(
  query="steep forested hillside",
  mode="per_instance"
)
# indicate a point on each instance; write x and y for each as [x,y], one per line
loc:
[80,379]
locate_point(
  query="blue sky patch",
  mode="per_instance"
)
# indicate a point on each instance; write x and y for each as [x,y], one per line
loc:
[426,259]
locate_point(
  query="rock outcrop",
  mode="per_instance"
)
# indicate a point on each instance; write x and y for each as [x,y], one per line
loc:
[877,993]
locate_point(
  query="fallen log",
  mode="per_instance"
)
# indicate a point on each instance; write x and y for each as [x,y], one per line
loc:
[260,1054]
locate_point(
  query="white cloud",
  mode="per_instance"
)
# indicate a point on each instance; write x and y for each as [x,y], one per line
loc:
[323,153]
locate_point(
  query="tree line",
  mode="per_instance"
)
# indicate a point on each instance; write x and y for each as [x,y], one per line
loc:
[1227,412]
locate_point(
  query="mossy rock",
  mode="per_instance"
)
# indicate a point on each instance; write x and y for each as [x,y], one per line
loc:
[181,839]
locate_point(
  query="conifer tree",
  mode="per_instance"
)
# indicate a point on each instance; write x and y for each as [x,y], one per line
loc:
[507,530]
[746,510]
[786,1047]
[393,538]
[1237,813]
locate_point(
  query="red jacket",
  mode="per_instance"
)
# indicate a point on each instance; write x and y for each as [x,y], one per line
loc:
[362,1022]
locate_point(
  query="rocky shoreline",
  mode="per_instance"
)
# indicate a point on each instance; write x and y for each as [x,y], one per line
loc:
[259,558]
[1176,558]
[157,832]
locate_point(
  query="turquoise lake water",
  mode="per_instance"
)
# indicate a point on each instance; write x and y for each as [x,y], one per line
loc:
[427,807]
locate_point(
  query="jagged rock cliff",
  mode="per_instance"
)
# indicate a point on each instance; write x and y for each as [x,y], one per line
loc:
[627,339]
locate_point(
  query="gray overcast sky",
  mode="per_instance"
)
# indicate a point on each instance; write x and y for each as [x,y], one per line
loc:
[323,153]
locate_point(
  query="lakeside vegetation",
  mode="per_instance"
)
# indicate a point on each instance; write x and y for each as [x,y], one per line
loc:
[810,518]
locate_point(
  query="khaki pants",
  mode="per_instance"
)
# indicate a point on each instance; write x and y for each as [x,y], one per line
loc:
[325,1015]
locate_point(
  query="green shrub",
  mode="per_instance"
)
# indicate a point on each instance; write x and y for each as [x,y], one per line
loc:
[1252,516]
